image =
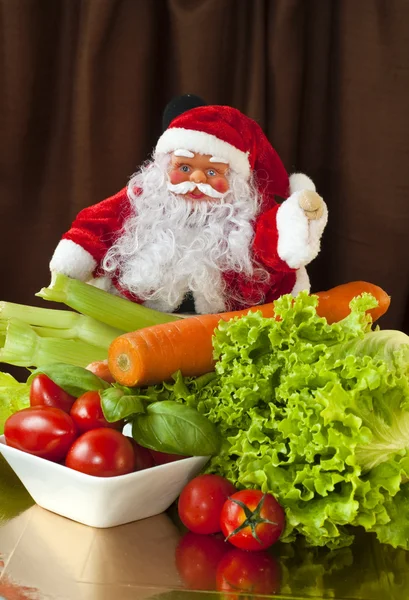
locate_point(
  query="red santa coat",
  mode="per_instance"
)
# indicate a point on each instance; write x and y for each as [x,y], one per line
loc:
[283,244]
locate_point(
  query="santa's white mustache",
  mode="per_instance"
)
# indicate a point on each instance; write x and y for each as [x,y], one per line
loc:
[188,186]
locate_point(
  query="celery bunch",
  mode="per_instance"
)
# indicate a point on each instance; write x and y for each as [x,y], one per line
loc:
[34,336]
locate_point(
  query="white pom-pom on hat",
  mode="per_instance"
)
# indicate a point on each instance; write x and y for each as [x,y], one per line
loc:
[299,182]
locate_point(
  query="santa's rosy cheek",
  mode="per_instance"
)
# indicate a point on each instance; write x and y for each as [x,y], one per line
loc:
[220,184]
[177,176]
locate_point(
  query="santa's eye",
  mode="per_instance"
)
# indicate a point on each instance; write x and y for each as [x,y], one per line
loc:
[211,173]
[184,169]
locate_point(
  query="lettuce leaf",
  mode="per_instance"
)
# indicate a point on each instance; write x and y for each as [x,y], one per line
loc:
[388,345]
[14,396]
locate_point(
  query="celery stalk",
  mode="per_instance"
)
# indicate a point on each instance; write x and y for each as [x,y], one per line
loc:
[34,315]
[48,322]
[108,308]
[24,348]
[94,332]
[87,329]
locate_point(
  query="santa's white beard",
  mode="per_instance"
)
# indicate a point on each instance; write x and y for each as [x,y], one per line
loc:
[173,245]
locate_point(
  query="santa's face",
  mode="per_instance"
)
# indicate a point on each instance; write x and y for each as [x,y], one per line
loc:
[198,177]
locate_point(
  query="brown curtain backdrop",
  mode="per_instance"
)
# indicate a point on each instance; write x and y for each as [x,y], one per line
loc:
[83,84]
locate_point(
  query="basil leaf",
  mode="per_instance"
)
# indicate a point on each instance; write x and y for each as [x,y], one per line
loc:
[73,380]
[176,429]
[117,404]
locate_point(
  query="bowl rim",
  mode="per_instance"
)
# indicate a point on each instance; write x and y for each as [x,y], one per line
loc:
[92,478]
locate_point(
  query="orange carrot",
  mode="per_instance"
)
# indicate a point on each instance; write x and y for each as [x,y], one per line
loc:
[334,303]
[152,354]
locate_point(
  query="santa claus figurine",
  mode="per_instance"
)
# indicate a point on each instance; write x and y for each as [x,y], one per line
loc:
[202,220]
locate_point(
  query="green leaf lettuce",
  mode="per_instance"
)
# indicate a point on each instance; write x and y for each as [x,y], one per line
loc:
[316,414]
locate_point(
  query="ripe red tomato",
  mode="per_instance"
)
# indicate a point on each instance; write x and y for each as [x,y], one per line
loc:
[87,414]
[161,458]
[143,458]
[255,527]
[201,501]
[248,573]
[197,557]
[41,430]
[44,392]
[101,452]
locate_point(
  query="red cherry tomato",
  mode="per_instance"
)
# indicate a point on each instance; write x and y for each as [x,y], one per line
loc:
[41,430]
[143,458]
[87,414]
[44,392]
[258,526]
[101,452]
[161,458]
[197,557]
[248,573]
[201,501]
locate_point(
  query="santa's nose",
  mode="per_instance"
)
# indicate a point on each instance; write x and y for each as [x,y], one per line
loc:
[198,176]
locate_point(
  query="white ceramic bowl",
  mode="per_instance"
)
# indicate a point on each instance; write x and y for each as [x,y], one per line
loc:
[101,501]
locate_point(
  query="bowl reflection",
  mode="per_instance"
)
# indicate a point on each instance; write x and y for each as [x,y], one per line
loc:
[63,558]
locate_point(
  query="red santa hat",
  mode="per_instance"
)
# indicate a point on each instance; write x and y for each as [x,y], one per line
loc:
[225,133]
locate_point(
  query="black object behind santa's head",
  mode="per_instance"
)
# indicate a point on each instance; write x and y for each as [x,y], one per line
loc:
[178,106]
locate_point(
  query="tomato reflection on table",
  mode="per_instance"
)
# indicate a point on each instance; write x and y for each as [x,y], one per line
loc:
[207,562]
[197,557]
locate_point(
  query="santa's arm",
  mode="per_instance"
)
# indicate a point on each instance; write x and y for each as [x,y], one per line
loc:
[94,230]
[288,236]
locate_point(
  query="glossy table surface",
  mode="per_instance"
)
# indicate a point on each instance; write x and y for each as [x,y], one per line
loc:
[45,556]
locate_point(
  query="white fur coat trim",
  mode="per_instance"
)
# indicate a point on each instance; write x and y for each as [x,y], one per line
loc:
[302,282]
[299,238]
[72,260]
